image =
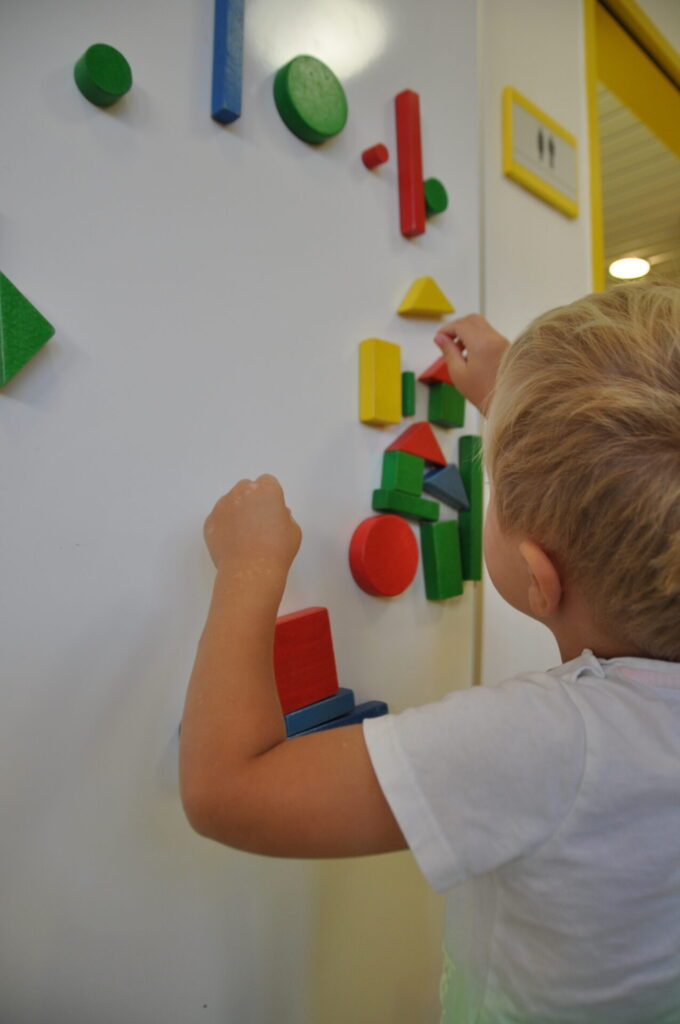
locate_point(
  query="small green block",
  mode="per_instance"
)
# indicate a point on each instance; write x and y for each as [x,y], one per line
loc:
[470,523]
[103,74]
[23,330]
[436,197]
[405,505]
[446,405]
[310,99]
[440,546]
[408,393]
[402,472]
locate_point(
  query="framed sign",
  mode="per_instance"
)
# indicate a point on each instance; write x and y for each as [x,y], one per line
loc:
[539,154]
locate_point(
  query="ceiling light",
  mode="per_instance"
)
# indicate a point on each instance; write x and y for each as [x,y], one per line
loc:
[630,268]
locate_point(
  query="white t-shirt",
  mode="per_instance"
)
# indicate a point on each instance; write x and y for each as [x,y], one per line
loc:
[548,808]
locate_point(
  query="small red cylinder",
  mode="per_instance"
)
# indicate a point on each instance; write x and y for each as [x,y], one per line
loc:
[375,155]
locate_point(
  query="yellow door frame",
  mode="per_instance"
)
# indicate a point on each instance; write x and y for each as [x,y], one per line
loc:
[627,53]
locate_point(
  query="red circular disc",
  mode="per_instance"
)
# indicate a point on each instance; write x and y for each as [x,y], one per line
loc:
[383,555]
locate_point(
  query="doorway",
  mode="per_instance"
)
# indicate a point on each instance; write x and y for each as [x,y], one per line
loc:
[634,122]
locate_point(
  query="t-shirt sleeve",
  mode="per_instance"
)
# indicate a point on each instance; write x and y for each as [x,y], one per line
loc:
[482,777]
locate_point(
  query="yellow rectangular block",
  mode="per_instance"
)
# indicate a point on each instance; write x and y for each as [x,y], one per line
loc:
[379,382]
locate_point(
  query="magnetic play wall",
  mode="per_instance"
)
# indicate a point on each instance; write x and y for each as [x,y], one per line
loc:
[209,287]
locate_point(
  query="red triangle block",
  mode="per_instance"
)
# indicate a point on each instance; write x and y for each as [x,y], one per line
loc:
[419,440]
[436,373]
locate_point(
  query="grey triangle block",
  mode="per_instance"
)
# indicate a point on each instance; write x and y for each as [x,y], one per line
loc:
[446,485]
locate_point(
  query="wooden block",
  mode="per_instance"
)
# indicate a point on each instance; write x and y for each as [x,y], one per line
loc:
[102,74]
[442,569]
[379,382]
[304,663]
[227,61]
[446,406]
[470,521]
[375,155]
[23,330]
[419,439]
[405,505]
[408,393]
[322,711]
[425,300]
[436,197]
[438,372]
[310,99]
[446,485]
[409,156]
[402,472]
[383,556]
[369,709]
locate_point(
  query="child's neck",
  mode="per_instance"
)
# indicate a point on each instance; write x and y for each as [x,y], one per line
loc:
[575,631]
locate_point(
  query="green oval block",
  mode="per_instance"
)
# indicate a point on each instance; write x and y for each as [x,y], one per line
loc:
[310,99]
[103,74]
[436,197]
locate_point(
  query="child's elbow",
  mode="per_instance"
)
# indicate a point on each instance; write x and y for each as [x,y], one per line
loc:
[197,806]
[213,813]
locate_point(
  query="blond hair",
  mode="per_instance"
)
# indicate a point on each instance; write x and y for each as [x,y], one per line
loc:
[583,449]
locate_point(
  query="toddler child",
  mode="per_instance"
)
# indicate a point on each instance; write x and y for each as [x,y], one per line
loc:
[547,808]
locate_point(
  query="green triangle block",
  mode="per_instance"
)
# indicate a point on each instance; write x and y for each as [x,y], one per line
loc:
[23,330]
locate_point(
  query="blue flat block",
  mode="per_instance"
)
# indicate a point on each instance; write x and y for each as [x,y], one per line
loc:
[227,61]
[322,711]
[447,485]
[370,709]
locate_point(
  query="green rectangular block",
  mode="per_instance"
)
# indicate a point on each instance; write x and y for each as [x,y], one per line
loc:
[446,405]
[408,393]
[470,522]
[402,471]
[440,546]
[405,505]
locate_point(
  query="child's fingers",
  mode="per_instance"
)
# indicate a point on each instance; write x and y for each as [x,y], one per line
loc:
[455,360]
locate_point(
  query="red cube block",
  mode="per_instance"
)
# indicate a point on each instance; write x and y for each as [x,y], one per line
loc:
[304,662]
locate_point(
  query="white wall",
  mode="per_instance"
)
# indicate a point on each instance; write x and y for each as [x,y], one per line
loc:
[534,258]
[209,287]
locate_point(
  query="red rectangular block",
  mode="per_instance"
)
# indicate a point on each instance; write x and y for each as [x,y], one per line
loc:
[410,158]
[304,663]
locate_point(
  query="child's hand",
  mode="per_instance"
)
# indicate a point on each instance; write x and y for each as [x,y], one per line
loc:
[251,527]
[473,351]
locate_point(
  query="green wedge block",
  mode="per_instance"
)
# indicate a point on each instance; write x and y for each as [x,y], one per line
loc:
[405,505]
[442,567]
[402,471]
[446,405]
[470,522]
[23,330]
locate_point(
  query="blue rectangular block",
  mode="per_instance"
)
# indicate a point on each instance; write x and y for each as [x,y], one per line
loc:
[321,711]
[227,61]
[370,709]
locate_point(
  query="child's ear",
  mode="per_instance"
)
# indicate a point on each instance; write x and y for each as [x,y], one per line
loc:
[545,586]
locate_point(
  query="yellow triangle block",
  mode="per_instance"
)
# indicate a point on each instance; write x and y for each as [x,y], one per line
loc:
[425,298]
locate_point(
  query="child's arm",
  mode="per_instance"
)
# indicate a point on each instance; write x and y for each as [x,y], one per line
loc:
[242,783]
[473,351]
